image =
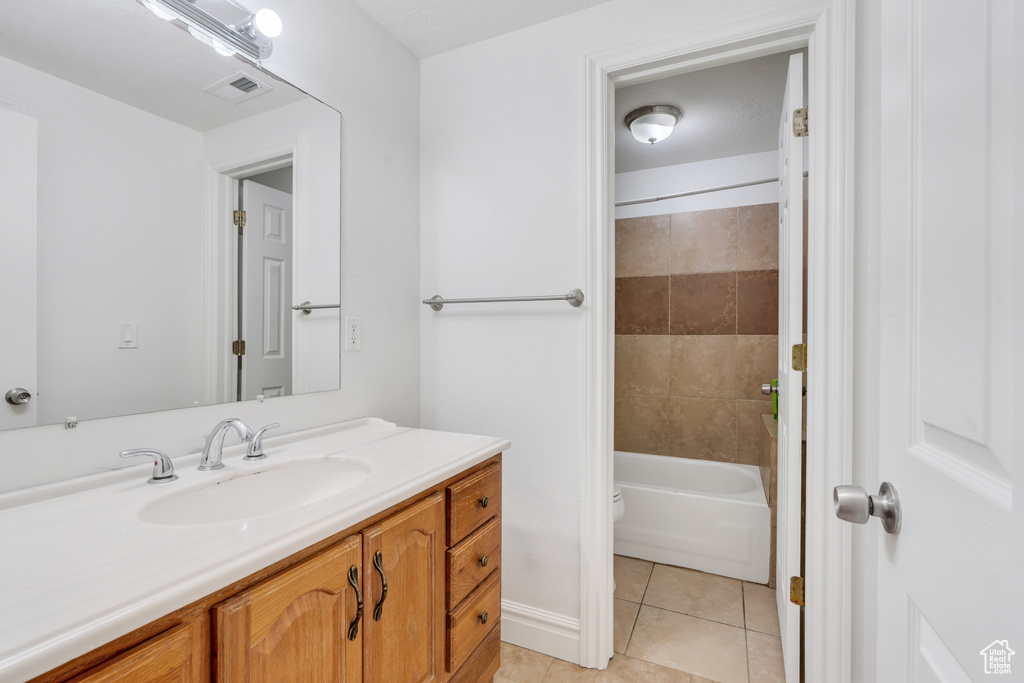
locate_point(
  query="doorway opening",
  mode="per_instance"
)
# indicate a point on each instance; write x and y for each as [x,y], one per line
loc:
[825,31]
[252,229]
[698,218]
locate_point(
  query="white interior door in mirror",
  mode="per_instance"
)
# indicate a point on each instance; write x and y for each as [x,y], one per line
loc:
[267,287]
[791,207]
[950,594]
[18,174]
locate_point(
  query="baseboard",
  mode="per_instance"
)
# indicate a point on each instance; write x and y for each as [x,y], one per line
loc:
[545,632]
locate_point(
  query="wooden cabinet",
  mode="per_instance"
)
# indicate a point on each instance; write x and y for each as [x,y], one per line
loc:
[405,623]
[300,625]
[413,594]
[166,658]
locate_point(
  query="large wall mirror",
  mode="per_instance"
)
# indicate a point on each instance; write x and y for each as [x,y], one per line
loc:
[126,149]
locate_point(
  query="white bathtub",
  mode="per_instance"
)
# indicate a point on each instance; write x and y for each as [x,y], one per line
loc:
[709,516]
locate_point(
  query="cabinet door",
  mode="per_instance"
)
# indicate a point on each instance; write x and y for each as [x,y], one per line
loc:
[296,625]
[405,629]
[170,657]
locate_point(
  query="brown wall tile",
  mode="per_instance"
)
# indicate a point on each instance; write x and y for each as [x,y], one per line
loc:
[758,237]
[641,364]
[642,246]
[749,427]
[756,364]
[704,303]
[642,424]
[641,305]
[703,365]
[704,241]
[757,302]
[703,428]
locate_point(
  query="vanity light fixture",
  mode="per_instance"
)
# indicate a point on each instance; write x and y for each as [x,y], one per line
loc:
[653,123]
[224,25]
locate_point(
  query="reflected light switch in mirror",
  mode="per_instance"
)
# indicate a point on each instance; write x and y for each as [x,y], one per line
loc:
[127,335]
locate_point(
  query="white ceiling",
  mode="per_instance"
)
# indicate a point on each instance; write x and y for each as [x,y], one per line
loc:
[430,27]
[727,111]
[121,50]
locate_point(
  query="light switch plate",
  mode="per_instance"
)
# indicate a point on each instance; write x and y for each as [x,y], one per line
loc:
[127,335]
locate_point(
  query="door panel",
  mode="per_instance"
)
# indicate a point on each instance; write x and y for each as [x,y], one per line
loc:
[407,642]
[267,278]
[949,582]
[294,626]
[791,253]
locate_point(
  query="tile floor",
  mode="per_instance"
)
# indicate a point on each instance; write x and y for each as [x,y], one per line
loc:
[672,625]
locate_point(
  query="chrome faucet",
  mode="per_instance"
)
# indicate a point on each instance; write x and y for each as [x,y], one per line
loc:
[255,449]
[212,451]
[163,468]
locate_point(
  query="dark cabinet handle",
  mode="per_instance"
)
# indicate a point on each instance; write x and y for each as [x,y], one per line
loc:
[484,560]
[378,562]
[483,618]
[353,578]
[485,501]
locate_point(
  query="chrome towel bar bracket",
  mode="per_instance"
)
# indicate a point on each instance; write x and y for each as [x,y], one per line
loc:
[575,299]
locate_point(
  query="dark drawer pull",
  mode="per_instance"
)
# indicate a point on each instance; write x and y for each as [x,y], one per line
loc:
[378,609]
[484,560]
[485,501]
[483,618]
[353,578]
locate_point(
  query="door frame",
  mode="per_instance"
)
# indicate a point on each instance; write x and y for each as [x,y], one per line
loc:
[220,313]
[826,28]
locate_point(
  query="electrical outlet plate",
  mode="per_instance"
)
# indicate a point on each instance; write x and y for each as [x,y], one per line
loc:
[353,334]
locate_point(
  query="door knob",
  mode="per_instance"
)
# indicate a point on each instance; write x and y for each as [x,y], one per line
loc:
[853,504]
[18,396]
[768,389]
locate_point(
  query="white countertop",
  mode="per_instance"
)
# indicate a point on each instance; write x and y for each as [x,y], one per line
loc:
[80,568]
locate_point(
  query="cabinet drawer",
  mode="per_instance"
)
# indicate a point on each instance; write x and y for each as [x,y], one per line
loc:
[473,501]
[473,619]
[471,561]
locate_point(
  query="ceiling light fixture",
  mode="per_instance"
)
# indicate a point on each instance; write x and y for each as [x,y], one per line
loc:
[653,123]
[223,24]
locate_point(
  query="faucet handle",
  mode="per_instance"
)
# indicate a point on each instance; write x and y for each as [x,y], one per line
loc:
[255,449]
[163,468]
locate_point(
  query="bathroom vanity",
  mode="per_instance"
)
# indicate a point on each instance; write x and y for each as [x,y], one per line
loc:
[396,576]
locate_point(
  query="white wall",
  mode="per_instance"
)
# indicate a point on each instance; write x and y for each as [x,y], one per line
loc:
[336,52]
[699,175]
[503,212]
[114,229]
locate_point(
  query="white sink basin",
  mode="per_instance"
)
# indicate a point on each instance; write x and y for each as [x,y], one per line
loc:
[263,492]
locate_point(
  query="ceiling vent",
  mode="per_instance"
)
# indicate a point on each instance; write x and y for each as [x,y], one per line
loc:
[238,87]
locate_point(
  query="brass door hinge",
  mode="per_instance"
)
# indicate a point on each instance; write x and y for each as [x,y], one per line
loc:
[238,347]
[796,590]
[800,125]
[239,218]
[800,357]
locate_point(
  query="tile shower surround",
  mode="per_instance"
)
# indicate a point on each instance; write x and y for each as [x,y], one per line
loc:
[696,324]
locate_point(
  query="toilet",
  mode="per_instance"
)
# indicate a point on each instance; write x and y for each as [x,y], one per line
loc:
[618,507]
[618,512]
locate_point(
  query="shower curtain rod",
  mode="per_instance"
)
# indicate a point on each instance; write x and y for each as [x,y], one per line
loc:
[677,195]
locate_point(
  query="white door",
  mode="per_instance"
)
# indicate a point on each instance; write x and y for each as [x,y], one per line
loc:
[18,266]
[951,242]
[267,284]
[791,253]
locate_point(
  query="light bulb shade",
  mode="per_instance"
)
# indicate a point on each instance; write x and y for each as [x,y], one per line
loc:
[653,123]
[268,23]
